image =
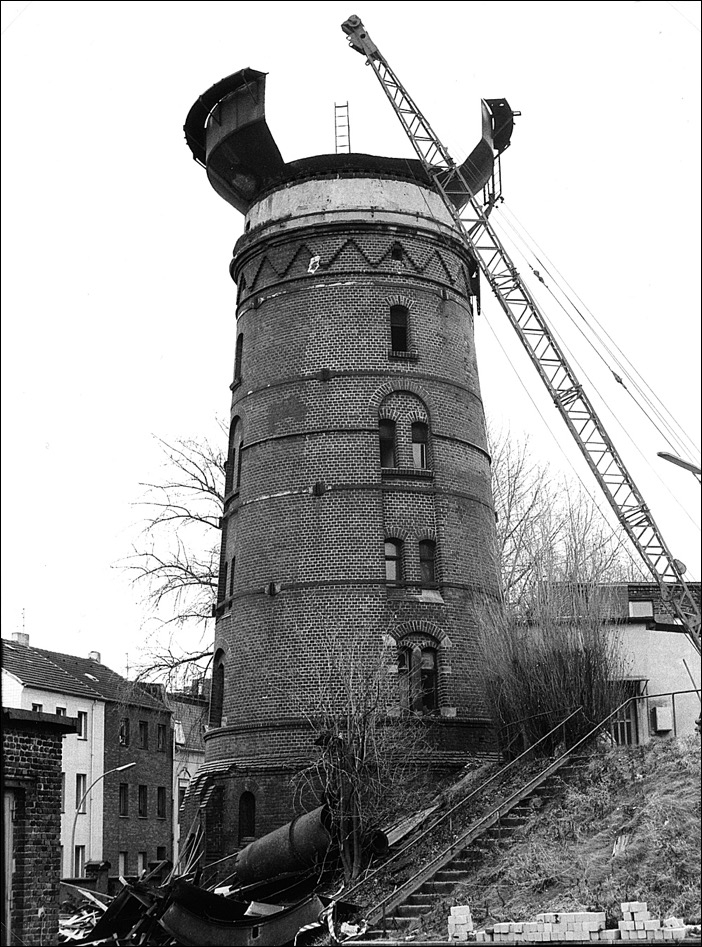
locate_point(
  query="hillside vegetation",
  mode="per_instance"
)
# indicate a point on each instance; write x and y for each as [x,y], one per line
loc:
[627,828]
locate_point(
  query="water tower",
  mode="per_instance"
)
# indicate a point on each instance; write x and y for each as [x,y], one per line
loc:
[358,513]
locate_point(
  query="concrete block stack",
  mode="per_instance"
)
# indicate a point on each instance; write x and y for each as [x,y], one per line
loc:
[460,923]
[578,927]
[584,927]
[637,924]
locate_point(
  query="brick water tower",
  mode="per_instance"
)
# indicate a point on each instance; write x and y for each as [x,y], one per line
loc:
[358,513]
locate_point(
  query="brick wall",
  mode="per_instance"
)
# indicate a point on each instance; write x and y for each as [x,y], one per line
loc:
[32,746]
[309,516]
[133,833]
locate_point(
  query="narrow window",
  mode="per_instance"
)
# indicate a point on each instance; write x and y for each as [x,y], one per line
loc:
[123,863]
[141,862]
[124,799]
[420,442]
[143,801]
[181,798]
[161,738]
[161,802]
[63,792]
[81,786]
[247,816]
[396,252]
[238,357]
[239,463]
[386,430]
[143,734]
[399,328]
[82,716]
[231,457]
[418,680]
[79,861]
[124,731]
[393,561]
[427,562]
[222,587]
[231,577]
[217,694]
[427,680]
[161,853]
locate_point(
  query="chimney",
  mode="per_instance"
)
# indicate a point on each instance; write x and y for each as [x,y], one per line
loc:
[94,656]
[21,638]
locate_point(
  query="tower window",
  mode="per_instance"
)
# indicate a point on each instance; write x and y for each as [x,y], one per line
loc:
[420,443]
[393,561]
[239,463]
[247,816]
[231,577]
[232,460]
[396,252]
[427,562]
[399,328]
[222,587]
[238,357]
[419,692]
[387,443]
[217,694]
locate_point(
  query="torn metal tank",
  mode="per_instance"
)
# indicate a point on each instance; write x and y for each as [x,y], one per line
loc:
[227,132]
[297,846]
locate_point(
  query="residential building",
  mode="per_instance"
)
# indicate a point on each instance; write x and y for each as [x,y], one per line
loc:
[190,715]
[122,817]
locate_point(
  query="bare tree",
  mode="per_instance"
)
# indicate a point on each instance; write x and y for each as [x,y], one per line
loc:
[547,527]
[176,559]
[362,750]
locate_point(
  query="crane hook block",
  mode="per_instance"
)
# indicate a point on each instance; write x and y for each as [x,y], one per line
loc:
[359,38]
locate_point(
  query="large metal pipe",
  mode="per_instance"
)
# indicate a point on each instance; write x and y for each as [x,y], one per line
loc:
[296,846]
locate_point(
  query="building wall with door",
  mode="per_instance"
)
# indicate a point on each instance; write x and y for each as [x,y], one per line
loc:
[32,750]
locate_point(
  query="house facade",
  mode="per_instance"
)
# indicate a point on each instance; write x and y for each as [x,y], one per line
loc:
[117,768]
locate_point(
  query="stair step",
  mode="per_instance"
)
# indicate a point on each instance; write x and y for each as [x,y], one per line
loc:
[420,899]
[396,920]
[450,874]
[437,887]
[411,910]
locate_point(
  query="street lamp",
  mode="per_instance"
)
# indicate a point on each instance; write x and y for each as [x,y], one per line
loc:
[679,462]
[117,769]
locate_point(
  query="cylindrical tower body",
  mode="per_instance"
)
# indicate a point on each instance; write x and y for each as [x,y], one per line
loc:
[358,536]
[358,506]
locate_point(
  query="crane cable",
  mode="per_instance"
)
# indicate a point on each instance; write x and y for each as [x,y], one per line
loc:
[681,435]
[624,431]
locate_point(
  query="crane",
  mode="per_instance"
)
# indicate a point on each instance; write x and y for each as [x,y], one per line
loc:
[471,218]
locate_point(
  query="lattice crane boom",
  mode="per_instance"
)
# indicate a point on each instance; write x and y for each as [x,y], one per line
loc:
[540,343]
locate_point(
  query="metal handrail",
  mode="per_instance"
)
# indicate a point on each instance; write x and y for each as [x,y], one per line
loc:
[462,802]
[553,765]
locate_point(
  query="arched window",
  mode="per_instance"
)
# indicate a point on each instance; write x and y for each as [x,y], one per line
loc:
[239,463]
[234,437]
[393,561]
[386,430]
[427,562]
[399,328]
[231,576]
[217,692]
[417,672]
[396,252]
[420,445]
[247,817]
[238,357]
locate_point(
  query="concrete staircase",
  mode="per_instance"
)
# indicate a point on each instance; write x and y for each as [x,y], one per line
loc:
[403,910]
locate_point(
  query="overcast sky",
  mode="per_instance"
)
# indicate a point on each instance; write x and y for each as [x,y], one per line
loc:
[117,303]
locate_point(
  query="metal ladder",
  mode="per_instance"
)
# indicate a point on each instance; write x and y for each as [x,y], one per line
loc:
[342,129]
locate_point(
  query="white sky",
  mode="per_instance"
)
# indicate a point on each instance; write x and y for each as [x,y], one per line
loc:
[117,304]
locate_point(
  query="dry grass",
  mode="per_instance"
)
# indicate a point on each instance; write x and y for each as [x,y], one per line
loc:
[628,829]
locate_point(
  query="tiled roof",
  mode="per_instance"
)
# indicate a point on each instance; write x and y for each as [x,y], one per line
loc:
[69,674]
